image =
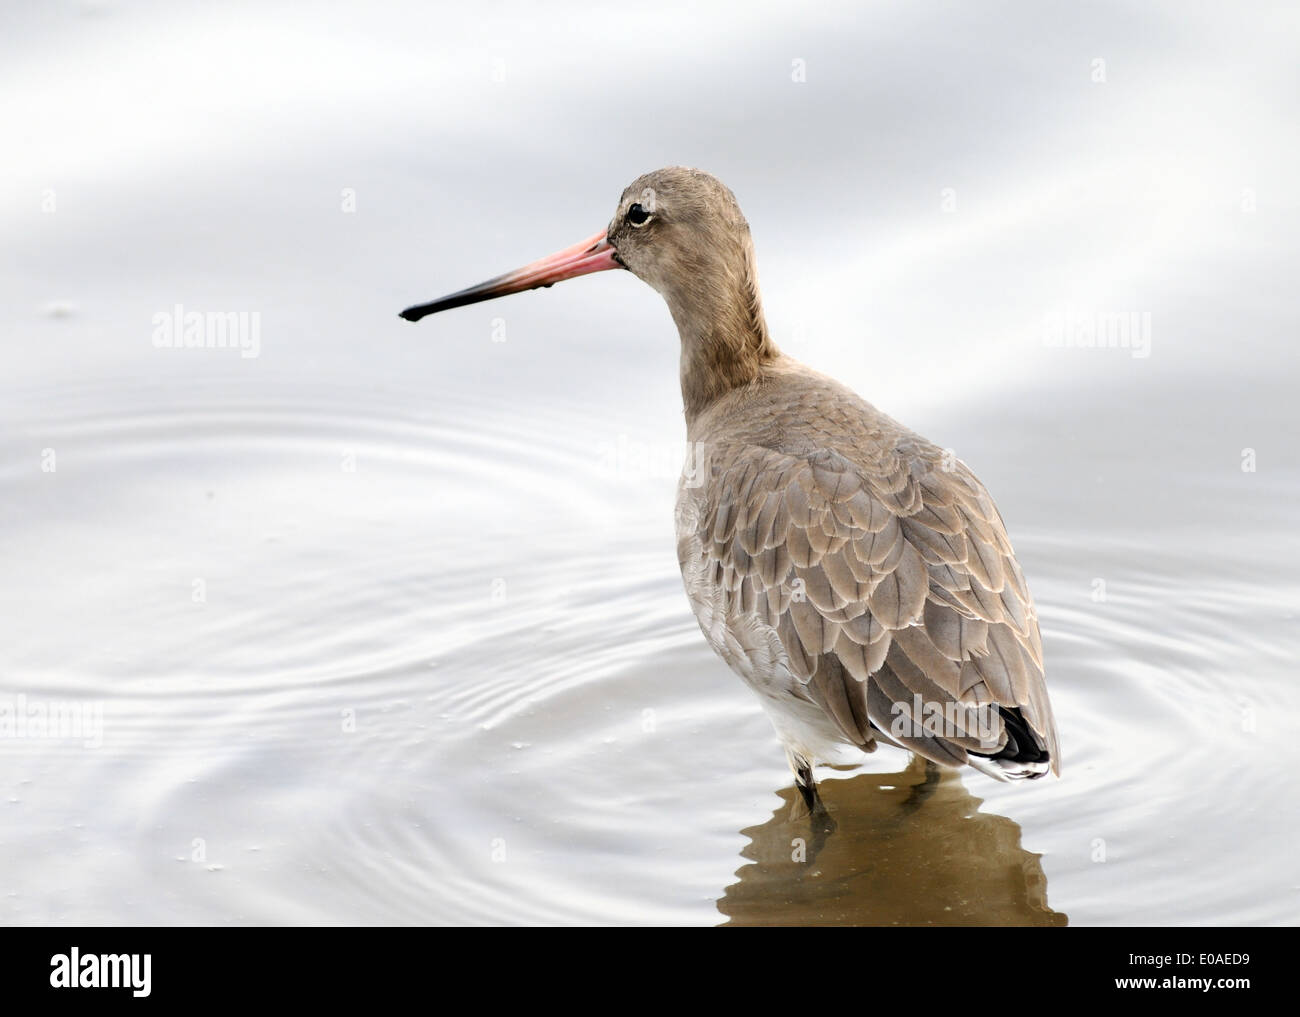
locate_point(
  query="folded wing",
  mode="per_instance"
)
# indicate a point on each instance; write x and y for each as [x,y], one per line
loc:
[894,592]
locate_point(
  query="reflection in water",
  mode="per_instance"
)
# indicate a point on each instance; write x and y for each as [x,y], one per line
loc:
[910,848]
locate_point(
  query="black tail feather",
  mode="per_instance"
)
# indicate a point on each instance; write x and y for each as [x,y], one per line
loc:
[1022,747]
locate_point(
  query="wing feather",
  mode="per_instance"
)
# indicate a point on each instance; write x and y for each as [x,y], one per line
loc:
[884,576]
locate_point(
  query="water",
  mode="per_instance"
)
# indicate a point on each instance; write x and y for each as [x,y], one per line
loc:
[385,623]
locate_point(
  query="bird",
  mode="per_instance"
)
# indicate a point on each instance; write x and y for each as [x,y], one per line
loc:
[855,575]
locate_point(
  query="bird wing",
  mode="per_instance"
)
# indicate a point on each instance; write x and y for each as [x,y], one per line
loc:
[884,581]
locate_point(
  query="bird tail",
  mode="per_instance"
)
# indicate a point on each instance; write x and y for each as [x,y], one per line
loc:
[1023,757]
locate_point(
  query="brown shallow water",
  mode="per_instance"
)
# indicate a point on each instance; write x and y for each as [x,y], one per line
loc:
[908,848]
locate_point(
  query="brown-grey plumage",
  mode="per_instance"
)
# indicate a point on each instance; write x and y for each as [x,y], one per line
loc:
[858,578]
[880,563]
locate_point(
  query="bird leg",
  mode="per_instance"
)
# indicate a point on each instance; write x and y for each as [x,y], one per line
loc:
[803,780]
[807,785]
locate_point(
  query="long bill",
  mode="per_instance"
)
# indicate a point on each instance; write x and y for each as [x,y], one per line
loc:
[595,254]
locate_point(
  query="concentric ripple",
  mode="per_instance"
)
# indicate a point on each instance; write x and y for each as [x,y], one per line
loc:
[383,657]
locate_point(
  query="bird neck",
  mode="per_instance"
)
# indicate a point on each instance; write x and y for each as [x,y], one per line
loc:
[725,343]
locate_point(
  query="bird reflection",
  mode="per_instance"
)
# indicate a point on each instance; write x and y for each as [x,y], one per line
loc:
[909,848]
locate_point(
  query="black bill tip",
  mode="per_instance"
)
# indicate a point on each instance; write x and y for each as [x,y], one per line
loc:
[416,313]
[483,291]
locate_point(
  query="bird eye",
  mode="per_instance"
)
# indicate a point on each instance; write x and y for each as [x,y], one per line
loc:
[637,215]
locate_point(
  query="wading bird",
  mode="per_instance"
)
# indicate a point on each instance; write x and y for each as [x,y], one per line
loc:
[857,577]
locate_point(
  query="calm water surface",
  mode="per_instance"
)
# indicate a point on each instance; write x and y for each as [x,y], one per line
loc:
[438,667]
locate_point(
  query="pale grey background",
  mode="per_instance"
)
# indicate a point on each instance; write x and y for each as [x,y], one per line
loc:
[492,594]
